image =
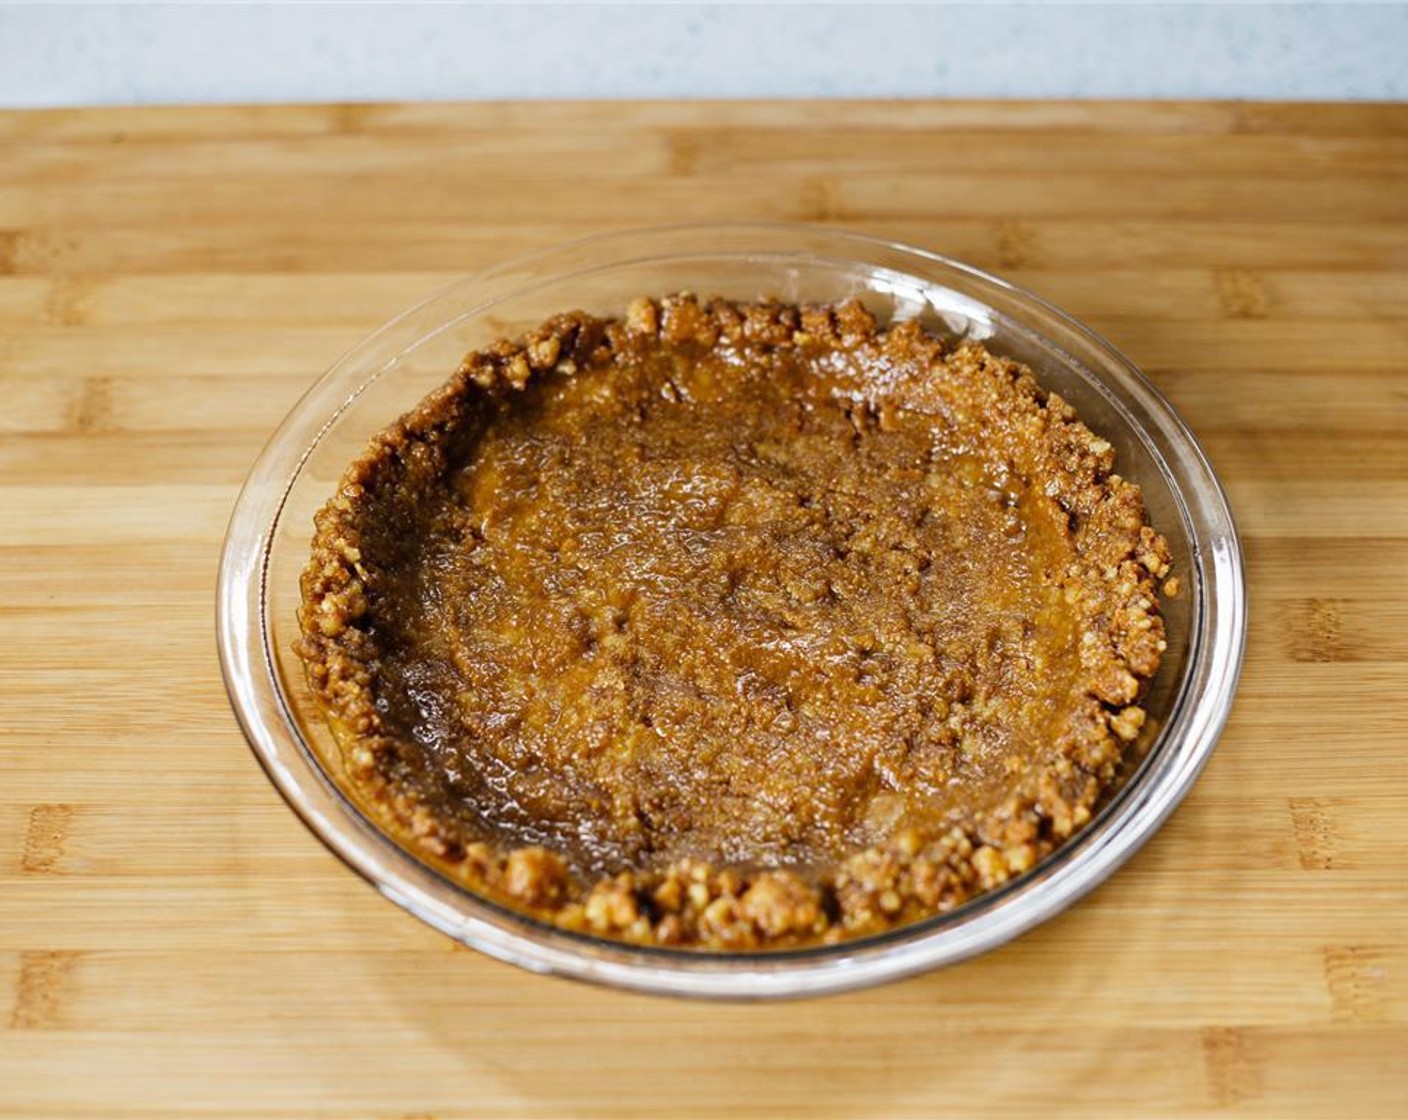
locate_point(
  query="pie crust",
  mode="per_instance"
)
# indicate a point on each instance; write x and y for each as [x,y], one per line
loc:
[734,626]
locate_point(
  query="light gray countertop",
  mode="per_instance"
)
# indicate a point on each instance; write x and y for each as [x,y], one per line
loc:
[120,54]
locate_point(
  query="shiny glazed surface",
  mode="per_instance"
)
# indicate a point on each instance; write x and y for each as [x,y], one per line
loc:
[735,625]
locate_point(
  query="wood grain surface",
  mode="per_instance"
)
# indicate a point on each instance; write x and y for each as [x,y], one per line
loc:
[173,942]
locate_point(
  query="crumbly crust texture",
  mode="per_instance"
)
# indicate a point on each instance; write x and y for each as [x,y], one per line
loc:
[734,626]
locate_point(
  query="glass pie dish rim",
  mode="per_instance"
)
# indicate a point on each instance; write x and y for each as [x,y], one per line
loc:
[1134,812]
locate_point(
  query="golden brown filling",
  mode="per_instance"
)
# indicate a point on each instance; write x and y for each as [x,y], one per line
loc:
[733,625]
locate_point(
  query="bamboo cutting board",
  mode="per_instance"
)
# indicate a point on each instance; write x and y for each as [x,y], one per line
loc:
[172,940]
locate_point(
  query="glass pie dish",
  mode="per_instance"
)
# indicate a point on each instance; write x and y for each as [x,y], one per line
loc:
[268,543]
